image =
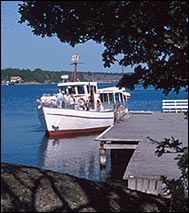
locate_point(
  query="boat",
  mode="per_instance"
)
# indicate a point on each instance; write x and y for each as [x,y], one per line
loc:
[84,110]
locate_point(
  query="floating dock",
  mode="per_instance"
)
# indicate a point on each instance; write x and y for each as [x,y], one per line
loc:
[145,168]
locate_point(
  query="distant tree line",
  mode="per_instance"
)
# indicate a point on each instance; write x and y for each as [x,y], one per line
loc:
[43,76]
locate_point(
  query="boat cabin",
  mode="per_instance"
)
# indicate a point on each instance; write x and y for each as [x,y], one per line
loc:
[113,95]
[81,91]
[78,88]
[86,96]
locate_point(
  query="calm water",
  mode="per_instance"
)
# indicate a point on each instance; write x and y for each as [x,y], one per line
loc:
[23,140]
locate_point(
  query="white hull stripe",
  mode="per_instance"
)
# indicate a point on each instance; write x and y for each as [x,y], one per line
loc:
[80,116]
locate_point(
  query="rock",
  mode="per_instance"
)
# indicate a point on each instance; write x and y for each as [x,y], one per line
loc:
[28,189]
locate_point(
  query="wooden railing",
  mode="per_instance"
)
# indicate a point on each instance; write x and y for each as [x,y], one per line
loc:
[175,105]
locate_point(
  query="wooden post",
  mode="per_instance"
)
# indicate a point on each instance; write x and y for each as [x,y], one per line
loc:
[102,154]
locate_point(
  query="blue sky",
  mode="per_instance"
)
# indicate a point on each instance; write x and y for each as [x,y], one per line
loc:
[21,49]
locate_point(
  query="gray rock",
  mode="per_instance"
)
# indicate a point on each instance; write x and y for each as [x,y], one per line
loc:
[27,189]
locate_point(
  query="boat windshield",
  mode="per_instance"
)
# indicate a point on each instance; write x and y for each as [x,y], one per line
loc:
[81,89]
[78,89]
[107,97]
[110,98]
[71,90]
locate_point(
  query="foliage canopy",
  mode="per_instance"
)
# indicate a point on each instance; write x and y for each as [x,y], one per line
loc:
[151,36]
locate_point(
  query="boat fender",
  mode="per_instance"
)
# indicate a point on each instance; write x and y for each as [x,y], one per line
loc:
[81,102]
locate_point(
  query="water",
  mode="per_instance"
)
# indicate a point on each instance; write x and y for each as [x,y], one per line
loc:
[23,140]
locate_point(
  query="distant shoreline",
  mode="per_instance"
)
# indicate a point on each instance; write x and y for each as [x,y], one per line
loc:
[38,83]
[25,83]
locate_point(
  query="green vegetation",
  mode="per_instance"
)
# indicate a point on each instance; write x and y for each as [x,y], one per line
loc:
[44,76]
[36,75]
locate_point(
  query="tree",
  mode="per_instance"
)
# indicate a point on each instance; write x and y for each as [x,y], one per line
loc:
[151,36]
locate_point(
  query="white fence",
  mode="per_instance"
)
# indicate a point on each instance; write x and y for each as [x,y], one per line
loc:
[175,105]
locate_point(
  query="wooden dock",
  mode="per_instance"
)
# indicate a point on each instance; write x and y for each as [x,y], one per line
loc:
[145,168]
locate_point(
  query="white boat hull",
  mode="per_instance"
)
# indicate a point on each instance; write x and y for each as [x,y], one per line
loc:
[58,121]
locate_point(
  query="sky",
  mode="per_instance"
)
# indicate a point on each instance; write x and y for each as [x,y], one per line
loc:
[20,48]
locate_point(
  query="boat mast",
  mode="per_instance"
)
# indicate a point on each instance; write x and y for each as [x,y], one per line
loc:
[75,59]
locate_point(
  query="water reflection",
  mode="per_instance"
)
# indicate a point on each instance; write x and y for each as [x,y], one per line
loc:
[78,156]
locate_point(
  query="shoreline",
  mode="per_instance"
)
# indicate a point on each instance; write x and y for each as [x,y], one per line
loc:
[25,83]
[38,83]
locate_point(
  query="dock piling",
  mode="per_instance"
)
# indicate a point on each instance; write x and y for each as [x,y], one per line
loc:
[102,154]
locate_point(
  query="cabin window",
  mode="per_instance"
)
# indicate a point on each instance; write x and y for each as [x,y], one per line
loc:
[121,98]
[105,98]
[117,98]
[62,89]
[101,98]
[71,90]
[81,89]
[111,98]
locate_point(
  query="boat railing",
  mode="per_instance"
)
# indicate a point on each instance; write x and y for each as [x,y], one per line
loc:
[54,103]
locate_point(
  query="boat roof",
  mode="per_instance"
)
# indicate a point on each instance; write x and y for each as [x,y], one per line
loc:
[126,93]
[110,89]
[113,90]
[77,83]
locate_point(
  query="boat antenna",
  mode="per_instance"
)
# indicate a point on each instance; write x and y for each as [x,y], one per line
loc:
[75,59]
